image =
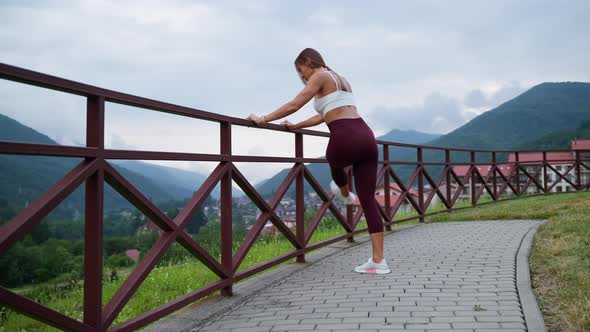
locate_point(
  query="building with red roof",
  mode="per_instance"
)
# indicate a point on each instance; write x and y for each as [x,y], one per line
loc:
[583,148]
[133,254]
[581,144]
[532,162]
[531,158]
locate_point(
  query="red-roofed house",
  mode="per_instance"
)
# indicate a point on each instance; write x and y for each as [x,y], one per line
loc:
[583,148]
[581,144]
[537,157]
[531,162]
[133,254]
[484,170]
[560,160]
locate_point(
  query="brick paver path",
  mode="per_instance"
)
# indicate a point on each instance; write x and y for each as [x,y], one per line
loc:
[457,276]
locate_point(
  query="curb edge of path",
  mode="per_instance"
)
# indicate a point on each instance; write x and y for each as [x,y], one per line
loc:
[528,301]
[196,315]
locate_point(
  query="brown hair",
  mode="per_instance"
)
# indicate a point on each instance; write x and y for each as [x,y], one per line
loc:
[314,57]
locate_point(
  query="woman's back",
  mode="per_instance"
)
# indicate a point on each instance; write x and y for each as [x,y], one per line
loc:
[335,99]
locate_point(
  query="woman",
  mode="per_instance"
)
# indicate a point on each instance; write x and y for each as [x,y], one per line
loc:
[351,142]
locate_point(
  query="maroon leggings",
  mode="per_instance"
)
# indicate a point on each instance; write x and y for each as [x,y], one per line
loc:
[353,143]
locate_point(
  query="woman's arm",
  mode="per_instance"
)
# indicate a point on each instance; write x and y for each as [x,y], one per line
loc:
[313,121]
[311,89]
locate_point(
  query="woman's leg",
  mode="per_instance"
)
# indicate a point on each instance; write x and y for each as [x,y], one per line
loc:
[365,178]
[377,242]
[338,175]
[339,158]
[340,178]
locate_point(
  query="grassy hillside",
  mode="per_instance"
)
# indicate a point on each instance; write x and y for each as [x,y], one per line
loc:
[559,139]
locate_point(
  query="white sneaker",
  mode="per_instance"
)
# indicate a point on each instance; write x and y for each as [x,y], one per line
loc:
[336,190]
[371,267]
[350,198]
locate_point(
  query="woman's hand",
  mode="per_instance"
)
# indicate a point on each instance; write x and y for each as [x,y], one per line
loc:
[259,120]
[288,124]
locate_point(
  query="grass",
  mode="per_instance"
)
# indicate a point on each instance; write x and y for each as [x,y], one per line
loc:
[162,285]
[560,257]
[560,264]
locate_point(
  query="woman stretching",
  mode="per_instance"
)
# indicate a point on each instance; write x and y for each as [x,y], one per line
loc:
[351,142]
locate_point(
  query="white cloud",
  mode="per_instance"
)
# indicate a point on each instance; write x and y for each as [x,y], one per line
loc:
[437,114]
[496,94]
[422,66]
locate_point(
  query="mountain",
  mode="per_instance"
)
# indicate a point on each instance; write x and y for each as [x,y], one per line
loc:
[558,139]
[322,172]
[536,114]
[532,120]
[24,178]
[408,136]
[545,108]
[179,183]
[13,131]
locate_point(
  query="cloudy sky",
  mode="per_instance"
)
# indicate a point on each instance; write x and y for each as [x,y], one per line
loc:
[429,66]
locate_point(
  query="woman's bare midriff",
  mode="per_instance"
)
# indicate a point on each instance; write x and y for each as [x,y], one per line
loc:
[344,112]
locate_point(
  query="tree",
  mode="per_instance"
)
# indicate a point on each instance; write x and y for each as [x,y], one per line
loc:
[58,261]
[40,232]
[208,237]
[114,261]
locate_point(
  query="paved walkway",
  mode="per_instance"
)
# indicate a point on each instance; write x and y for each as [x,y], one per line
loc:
[451,276]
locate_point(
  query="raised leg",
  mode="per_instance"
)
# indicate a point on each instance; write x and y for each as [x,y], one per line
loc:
[338,175]
[340,178]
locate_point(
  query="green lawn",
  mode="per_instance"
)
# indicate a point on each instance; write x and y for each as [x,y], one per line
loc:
[163,284]
[560,264]
[560,257]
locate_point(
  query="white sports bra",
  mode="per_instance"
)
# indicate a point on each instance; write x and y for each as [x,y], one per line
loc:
[333,100]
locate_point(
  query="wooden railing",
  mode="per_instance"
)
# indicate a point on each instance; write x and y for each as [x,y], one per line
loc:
[94,170]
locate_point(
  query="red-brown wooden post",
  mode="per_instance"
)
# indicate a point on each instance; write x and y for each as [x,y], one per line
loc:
[226,208]
[386,185]
[495,191]
[93,219]
[516,160]
[578,174]
[420,186]
[544,172]
[472,180]
[448,176]
[299,197]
